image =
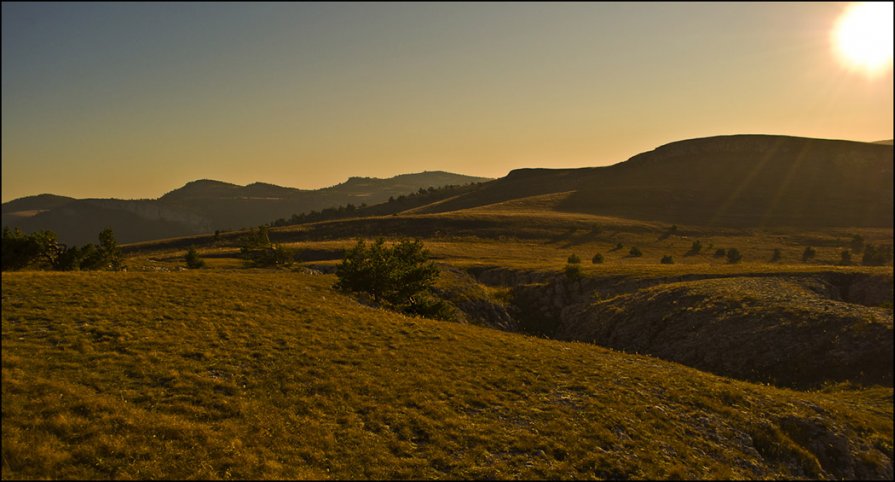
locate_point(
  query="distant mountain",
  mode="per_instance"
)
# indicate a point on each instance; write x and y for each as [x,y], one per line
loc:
[739,180]
[204,206]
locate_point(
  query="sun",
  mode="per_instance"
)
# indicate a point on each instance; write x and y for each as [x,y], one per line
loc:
[863,36]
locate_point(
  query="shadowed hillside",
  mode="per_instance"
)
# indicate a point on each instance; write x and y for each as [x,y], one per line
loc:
[204,206]
[742,180]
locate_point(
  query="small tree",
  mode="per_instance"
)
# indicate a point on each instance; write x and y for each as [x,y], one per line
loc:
[574,259]
[193,261]
[400,277]
[720,253]
[597,259]
[635,252]
[733,255]
[618,246]
[808,254]
[695,248]
[109,251]
[667,259]
[777,255]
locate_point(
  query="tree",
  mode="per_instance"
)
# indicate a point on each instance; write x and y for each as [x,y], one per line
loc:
[777,255]
[734,256]
[720,252]
[574,259]
[109,251]
[667,259]
[193,261]
[635,252]
[400,277]
[597,259]
[876,256]
[694,249]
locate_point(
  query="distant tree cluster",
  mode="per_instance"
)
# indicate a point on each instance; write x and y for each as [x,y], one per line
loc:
[350,210]
[41,250]
[398,277]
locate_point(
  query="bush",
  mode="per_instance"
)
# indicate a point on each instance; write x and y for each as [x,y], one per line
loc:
[574,259]
[667,259]
[193,261]
[777,255]
[618,246]
[635,252]
[695,248]
[573,271]
[259,252]
[876,256]
[733,255]
[720,253]
[400,277]
[597,259]
[857,243]
[809,254]
[845,257]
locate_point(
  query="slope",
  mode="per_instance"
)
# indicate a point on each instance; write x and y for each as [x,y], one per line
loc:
[274,375]
[741,180]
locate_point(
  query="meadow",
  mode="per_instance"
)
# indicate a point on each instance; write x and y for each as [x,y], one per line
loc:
[271,374]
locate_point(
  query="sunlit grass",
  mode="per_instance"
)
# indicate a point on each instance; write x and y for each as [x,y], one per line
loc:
[265,374]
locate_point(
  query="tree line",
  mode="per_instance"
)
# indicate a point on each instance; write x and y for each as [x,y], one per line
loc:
[42,250]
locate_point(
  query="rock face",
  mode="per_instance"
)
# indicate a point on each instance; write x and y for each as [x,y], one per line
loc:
[798,330]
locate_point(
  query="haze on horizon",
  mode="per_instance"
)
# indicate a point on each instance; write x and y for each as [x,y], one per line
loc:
[132,100]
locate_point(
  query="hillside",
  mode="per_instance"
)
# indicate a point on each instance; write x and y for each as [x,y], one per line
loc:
[204,206]
[741,180]
[258,374]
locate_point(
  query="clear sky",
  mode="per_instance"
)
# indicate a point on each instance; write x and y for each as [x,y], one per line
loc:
[133,100]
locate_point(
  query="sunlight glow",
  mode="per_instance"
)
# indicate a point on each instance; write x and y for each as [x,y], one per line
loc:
[863,37]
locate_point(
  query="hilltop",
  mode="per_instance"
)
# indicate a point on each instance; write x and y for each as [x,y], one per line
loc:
[740,180]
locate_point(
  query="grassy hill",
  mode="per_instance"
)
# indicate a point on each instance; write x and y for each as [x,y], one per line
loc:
[265,374]
[741,180]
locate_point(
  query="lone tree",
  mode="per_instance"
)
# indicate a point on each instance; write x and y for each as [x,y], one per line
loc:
[667,259]
[635,252]
[193,261]
[399,277]
[574,259]
[597,259]
[733,255]
[777,255]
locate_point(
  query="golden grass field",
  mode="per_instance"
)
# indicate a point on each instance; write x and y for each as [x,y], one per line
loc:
[228,372]
[267,374]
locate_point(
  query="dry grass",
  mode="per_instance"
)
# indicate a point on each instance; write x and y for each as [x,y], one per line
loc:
[254,374]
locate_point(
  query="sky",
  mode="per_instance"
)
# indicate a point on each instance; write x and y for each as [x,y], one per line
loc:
[132,100]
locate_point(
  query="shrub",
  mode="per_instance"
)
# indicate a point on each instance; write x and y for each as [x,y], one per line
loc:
[573,271]
[193,261]
[720,253]
[400,277]
[876,256]
[574,259]
[667,259]
[809,253]
[857,243]
[695,248]
[597,259]
[777,255]
[635,252]
[845,257]
[733,255]
[618,246]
